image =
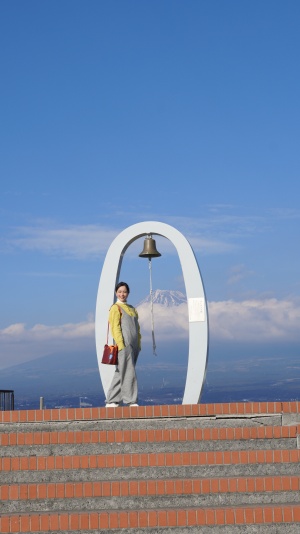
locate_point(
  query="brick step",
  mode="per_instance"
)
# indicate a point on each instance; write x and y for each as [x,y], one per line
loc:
[161,448]
[235,409]
[123,488]
[143,494]
[288,514]
[52,437]
[153,469]
[150,473]
[111,461]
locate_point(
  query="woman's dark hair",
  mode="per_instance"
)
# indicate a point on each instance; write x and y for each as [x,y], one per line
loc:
[122,284]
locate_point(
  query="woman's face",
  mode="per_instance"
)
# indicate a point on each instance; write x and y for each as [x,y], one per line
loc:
[122,294]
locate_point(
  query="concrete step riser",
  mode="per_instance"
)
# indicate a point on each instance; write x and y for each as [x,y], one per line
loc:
[148,473]
[94,475]
[151,503]
[142,424]
[281,528]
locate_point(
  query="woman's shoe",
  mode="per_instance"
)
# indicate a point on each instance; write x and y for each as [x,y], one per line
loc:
[111,405]
[133,404]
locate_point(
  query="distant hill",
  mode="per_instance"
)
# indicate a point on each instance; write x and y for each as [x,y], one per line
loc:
[76,374]
[69,373]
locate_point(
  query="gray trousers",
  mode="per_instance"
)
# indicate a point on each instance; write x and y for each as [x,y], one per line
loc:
[124,383]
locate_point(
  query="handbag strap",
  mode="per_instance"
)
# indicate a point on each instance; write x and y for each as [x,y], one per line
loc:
[120,311]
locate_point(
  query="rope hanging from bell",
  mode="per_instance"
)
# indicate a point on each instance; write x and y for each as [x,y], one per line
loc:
[150,252]
[152,315]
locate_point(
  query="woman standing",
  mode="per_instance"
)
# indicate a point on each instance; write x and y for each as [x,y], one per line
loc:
[123,320]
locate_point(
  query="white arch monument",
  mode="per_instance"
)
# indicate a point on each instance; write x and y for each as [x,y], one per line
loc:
[197,306]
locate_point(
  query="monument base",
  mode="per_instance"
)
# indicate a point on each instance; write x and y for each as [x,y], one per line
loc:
[226,468]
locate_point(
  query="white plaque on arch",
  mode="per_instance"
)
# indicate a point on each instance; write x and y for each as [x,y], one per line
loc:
[196,309]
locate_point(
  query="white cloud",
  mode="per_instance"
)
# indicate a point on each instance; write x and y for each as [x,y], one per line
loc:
[267,320]
[237,273]
[70,241]
[213,233]
[246,321]
[211,246]
[88,241]
[250,321]
[255,320]
[19,344]
[217,230]
[169,322]
[18,331]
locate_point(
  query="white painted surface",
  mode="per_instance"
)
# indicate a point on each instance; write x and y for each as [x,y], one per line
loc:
[198,326]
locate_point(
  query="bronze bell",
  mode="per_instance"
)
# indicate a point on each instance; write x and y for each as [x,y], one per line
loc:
[149,250]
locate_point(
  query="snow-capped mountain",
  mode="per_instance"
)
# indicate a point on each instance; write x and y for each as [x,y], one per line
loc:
[165,298]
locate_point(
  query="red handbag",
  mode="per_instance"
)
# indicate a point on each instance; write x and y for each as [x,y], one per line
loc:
[110,352]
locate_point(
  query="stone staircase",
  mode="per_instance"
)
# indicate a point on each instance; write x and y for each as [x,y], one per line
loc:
[219,468]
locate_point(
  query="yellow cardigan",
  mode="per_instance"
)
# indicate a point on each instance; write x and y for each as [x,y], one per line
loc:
[114,321]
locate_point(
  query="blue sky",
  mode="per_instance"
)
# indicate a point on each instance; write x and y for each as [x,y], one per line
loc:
[115,112]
